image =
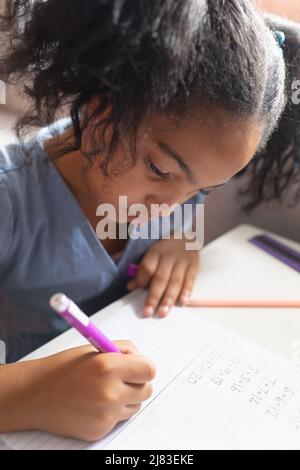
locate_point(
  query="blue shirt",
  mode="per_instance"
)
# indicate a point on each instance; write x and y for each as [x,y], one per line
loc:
[47,245]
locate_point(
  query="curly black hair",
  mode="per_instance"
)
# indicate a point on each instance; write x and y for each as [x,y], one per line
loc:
[140,57]
[274,174]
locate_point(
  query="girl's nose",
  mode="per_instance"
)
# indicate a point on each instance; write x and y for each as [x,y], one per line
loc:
[165,206]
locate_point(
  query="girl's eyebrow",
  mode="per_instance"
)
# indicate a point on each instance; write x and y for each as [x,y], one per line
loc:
[178,159]
[183,166]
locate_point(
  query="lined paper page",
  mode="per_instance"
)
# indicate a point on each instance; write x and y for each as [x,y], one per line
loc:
[231,395]
[212,389]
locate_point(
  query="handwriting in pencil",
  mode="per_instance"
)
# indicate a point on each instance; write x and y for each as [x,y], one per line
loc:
[280,402]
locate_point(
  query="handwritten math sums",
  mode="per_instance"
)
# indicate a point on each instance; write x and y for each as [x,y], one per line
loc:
[225,372]
[244,379]
[262,390]
[222,372]
[204,368]
[280,402]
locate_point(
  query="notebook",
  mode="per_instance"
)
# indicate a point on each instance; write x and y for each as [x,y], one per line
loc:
[213,389]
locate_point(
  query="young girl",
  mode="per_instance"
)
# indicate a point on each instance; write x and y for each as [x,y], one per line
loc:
[165,100]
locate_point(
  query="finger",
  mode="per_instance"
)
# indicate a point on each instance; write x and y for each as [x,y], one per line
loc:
[130,410]
[146,270]
[137,393]
[136,370]
[158,284]
[127,347]
[188,284]
[131,285]
[173,288]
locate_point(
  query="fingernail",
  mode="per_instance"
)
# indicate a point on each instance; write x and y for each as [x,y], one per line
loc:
[148,311]
[164,310]
[185,299]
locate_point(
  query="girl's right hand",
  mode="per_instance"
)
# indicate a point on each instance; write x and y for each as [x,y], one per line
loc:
[83,394]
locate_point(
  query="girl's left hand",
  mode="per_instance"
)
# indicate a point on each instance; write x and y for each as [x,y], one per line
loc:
[168,270]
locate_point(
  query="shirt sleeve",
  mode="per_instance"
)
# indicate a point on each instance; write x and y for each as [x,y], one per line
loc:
[6,221]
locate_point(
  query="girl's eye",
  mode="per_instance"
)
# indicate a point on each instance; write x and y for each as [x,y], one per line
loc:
[156,170]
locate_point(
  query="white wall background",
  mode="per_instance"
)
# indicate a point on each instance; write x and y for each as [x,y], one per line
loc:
[223,212]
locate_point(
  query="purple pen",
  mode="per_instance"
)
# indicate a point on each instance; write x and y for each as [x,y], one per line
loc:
[132,270]
[70,312]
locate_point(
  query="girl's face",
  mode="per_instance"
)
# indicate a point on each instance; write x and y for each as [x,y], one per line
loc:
[176,160]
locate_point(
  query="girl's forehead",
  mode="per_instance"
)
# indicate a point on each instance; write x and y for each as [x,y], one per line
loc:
[204,132]
[206,149]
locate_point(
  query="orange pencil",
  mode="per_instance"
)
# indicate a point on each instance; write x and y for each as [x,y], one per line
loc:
[243,303]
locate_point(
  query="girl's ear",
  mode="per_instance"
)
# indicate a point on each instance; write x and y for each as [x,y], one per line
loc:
[96,130]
